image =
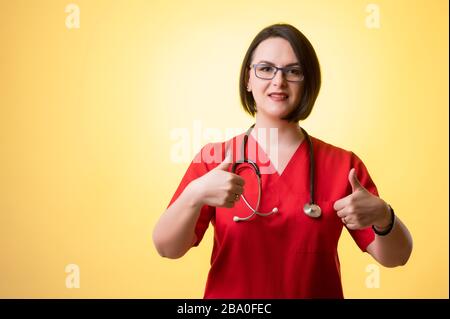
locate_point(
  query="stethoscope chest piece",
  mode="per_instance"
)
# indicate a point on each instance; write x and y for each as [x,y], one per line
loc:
[312,210]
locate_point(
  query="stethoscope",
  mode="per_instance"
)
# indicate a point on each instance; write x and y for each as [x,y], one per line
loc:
[311,209]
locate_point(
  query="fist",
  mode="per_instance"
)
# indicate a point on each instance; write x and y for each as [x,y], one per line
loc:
[219,187]
[361,208]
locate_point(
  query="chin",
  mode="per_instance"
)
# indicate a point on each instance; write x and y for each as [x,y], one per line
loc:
[277,112]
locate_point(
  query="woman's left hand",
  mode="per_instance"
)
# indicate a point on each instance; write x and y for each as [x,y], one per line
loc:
[361,208]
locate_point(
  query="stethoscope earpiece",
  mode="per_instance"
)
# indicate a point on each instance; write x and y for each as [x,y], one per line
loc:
[254,212]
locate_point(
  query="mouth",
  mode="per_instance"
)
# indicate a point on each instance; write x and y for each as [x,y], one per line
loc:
[278,96]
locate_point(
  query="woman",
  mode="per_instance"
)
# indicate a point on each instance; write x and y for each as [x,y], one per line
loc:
[288,249]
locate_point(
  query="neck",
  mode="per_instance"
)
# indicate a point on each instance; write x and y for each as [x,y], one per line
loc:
[288,133]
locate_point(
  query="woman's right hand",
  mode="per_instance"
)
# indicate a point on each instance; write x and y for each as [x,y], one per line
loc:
[219,187]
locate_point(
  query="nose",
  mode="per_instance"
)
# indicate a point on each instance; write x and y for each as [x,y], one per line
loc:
[279,78]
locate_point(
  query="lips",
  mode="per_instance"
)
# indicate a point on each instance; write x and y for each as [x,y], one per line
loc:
[278,96]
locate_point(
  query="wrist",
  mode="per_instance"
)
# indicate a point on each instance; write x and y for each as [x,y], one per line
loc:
[385,220]
[387,229]
[194,194]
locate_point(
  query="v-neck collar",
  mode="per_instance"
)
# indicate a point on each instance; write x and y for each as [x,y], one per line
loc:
[267,159]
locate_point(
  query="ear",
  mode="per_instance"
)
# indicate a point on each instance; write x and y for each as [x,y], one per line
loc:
[247,78]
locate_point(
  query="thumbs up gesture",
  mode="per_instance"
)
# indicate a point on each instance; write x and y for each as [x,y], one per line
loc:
[219,187]
[361,208]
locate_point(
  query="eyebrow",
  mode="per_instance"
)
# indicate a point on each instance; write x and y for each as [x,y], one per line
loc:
[267,62]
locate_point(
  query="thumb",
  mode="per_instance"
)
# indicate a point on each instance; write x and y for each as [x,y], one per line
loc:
[356,185]
[228,160]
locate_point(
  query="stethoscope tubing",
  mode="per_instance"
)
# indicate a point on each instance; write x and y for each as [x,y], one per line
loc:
[311,208]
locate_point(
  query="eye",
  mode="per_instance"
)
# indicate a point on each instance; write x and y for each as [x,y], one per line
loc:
[295,71]
[265,68]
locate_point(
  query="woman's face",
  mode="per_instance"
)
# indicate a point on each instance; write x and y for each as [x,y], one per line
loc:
[278,52]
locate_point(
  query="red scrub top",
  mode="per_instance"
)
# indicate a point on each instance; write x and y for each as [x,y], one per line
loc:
[287,254]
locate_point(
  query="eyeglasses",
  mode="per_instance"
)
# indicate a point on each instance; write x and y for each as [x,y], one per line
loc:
[268,72]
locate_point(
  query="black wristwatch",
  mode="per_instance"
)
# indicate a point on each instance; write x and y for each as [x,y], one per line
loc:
[389,228]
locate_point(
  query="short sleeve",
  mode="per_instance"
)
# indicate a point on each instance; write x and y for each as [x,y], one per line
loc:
[363,237]
[196,169]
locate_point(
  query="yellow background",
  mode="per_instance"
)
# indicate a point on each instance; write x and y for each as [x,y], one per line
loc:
[86,116]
